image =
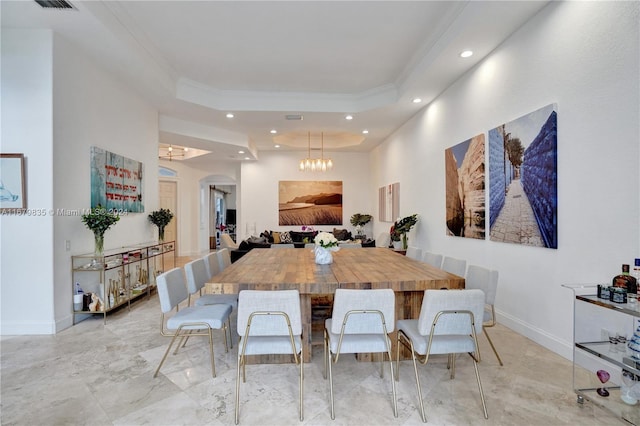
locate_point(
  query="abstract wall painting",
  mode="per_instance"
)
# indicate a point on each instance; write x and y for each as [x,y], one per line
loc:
[523,192]
[465,188]
[13,186]
[389,202]
[310,203]
[116,182]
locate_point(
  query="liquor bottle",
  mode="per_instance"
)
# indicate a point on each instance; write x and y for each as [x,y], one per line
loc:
[636,270]
[625,280]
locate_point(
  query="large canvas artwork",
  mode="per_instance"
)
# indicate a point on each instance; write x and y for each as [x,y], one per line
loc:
[389,202]
[465,188]
[116,182]
[523,180]
[310,203]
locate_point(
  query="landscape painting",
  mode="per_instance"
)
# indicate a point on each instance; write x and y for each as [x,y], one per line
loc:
[465,188]
[310,203]
[523,178]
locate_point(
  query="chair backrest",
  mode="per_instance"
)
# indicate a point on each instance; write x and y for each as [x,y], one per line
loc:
[350,300]
[383,240]
[196,272]
[224,258]
[227,242]
[287,301]
[349,245]
[282,245]
[454,266]
[414,253]
[451,300]
[212,264]
[483,279]
[171,289]
[433,259]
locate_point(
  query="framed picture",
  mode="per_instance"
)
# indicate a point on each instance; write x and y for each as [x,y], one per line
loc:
[13,191]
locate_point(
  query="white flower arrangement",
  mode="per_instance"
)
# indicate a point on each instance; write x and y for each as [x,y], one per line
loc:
[326,240]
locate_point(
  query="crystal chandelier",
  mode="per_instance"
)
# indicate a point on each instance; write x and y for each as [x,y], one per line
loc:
[310,164]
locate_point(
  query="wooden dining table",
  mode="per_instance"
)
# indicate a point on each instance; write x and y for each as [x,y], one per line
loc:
[353,268]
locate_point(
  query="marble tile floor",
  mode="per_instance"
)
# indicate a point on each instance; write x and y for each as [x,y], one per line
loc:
[96,374]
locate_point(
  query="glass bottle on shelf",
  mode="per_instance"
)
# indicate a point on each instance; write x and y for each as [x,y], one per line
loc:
[636,270]
[626,281]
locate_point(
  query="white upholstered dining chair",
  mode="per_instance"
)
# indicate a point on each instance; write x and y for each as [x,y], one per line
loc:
[487,281]
[360,323]
[454,266]
[224,258]
[212,264]
[227,242]
[196,273]
[433,259]
[414,253]
[269,322]
[446,325]
[189,321]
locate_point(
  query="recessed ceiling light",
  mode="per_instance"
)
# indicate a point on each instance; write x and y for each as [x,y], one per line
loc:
[348,117]
[240,152]
[247,158]
[416,100]
[365,131]
[277,146]
[273,131]
[466,53]
[230,115]
[185,149]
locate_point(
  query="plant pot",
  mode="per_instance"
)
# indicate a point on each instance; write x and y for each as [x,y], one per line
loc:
[397,245]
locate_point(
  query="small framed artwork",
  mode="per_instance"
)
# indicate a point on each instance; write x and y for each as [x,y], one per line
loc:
[13,192]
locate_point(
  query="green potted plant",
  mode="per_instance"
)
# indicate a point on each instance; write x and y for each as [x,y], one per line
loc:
[161,219]
[359,220]
[98,220]
[401,227]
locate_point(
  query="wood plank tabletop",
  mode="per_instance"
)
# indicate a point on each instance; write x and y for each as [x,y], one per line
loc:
[291,268]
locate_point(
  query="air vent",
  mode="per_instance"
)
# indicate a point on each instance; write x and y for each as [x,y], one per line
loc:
[294,117]
[55,4]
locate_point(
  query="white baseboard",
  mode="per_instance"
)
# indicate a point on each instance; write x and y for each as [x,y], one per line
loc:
[541,337]
[22,328]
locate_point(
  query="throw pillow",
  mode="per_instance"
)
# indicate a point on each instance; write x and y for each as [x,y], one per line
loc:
[285,238]
[276,237]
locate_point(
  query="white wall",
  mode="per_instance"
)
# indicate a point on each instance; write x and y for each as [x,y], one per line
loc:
[584,56]
[91,108]
[259,189]
[26,242]
[55,105]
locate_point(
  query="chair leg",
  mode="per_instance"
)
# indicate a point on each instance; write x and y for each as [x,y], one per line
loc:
[484,406]
[213,363]
[415,370]
[333,414]
[173,339]
[326,347]
[453,365]
[492,346]
[393,380]
[301,385]
[240,361]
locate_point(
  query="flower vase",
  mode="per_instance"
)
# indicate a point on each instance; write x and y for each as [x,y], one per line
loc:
[405,243]
[323,256]
[98,251]
[161,234]
[397,245]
